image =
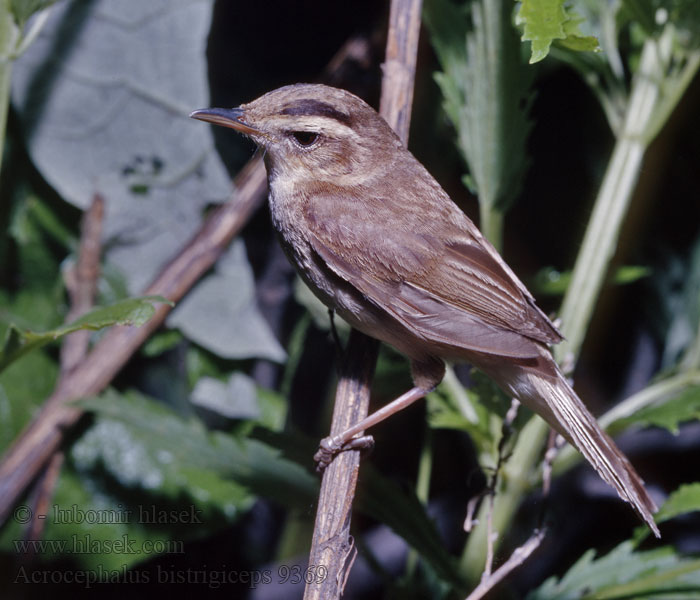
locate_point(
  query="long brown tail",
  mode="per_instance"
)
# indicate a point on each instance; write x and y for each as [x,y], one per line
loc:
[559,405]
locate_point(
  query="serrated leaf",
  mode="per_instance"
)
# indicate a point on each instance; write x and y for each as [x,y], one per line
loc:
[486,93]
[624,573]
[670,413]
[145,445]
[684,500]
[575,40]
[547,21]
[132,311]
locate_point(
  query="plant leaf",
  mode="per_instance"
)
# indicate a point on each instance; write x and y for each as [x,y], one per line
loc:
[132,311]
[23,9]
[221,314]
[684,500]
[103,95]
[547,21]
[145,445]
[669,413]
[624,573]
[486,93]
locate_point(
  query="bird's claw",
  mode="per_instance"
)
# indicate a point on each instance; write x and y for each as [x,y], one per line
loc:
[332,445]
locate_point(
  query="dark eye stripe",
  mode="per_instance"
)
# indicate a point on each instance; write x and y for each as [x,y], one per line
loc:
[313,108]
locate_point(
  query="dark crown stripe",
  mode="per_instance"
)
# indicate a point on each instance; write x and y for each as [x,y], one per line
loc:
[316,108]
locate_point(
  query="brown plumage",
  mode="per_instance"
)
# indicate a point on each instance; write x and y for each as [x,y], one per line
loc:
[380,242]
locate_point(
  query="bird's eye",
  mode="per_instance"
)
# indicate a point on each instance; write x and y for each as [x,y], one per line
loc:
[305,138]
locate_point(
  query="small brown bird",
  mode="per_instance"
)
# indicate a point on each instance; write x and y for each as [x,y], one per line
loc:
[378,240]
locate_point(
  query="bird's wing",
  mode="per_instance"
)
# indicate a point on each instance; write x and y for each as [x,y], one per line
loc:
[430,273]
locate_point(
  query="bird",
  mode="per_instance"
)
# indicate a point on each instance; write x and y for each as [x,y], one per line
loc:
[380,243]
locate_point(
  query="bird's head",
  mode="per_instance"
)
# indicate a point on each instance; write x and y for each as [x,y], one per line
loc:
[311,130]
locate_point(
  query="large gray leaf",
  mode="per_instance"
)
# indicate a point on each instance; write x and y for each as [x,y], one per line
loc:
[220,313]
[104,94]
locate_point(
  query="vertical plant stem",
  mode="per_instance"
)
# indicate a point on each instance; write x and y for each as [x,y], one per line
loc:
[491,224]
[612,203]
[332,548]
[516,481]
[5,71]
[589,273]
[425,467]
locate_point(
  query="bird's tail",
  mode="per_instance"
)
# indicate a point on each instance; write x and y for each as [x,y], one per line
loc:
[558,404]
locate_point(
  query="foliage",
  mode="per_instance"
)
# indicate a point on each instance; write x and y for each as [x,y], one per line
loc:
[486,95]
[132,311]
[547,21]
[101,92]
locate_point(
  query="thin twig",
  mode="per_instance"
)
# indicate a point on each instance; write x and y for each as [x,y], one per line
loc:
[519,556]
[81,283]
[331,538]
[44,434]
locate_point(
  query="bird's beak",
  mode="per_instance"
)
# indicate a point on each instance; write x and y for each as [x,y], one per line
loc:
[228,117]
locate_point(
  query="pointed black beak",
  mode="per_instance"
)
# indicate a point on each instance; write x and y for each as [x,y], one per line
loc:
[227,117]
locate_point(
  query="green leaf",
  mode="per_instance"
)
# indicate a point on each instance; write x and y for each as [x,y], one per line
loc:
[486,93]
[145,445]
[24,386]
[23,9]
[684,500]
[669,413]
[133,311]
[552,282]
[624,573]
[160,342]
[547,21]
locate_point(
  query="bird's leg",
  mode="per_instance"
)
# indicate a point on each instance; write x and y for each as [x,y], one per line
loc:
[347,440]
[334,333]
[426,376]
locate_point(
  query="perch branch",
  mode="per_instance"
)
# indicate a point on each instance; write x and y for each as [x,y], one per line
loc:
[332,543]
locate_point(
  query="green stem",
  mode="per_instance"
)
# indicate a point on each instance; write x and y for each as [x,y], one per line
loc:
[425,466]
[5,71]
[611,206]
[591,266]
[491,224]
[515,483]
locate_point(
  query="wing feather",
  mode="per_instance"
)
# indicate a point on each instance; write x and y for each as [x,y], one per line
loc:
[430,269]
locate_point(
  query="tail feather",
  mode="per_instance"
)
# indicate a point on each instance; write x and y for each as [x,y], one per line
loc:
[559,405]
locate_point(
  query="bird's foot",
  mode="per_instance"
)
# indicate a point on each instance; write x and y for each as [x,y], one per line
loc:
[333,445]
